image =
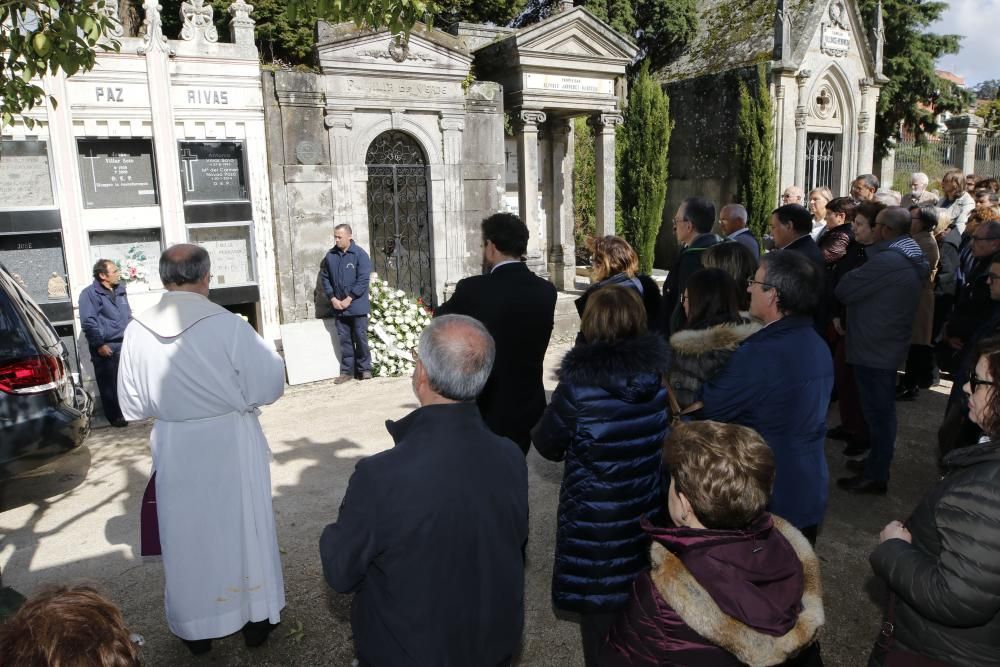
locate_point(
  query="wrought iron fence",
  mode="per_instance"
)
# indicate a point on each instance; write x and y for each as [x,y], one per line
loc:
[988,156]
[932,156]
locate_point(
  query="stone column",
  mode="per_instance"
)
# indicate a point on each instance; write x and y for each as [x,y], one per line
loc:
[965,130]
[561,250]
[340,123]
[452,128]
[604,162]
[887,166]
[157,51]
[801,123]
[527,162]
[866,131]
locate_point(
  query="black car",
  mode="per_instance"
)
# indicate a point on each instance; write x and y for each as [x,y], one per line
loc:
[43,410]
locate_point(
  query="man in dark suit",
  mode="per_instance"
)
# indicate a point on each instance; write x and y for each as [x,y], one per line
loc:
[791,227]
[693,224]
[518,309]
[430,532]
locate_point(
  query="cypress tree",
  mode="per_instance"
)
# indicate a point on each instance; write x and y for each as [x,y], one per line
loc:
[642,165]
[755,153]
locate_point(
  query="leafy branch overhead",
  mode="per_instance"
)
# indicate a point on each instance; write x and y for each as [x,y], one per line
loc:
[45,37]
[398,16]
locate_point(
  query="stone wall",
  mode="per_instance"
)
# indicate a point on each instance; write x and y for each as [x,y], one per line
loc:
[702,147]
[483,164]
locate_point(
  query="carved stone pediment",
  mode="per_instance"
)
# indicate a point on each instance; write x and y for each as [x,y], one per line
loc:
[575,33]
[345,50]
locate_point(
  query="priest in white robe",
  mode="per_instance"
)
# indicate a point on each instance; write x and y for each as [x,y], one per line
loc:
[201,372]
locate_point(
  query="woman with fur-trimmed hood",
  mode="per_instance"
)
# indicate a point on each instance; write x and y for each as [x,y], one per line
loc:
[607,420]
[730,584]
[714,328]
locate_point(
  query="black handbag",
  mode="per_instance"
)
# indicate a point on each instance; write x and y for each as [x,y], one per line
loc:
[892,655]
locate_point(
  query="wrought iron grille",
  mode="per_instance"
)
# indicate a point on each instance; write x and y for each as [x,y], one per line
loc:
[988,156]
[820,157]
[399,214]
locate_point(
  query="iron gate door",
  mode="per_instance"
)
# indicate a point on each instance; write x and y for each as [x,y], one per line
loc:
[398,214]
[819,160]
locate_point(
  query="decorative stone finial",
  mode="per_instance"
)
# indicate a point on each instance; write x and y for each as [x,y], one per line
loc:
[241,26]
[565,6]
[197,21]
[879,41]
[116,29]
[153,39]
[782,32]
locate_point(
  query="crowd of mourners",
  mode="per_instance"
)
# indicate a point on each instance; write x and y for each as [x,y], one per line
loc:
[692,424]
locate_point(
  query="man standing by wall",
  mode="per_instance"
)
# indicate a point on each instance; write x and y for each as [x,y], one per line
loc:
[881,298]
[864,187]
[201,372]
[345,274]
[104,314]
[517,308]
[430,532]
[733,223]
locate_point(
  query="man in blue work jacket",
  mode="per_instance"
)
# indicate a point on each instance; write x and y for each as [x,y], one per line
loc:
[104,314]
[344,275]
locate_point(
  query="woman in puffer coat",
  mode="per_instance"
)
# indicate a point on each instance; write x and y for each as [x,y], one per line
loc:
[607,420]
[730,584]
[714,328]
[942,567]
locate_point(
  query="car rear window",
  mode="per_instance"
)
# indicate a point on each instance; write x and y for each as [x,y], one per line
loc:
[15,343]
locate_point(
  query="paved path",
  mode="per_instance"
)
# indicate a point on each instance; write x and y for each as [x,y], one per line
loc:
[76,520]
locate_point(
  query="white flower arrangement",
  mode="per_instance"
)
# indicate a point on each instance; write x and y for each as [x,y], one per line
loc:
[394,328]
[133,266]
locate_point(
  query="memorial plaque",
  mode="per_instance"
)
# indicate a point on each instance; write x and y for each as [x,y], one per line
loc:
[24,175]
[229,248]
[117,172]
[36,261]
[136,252]
[213,171]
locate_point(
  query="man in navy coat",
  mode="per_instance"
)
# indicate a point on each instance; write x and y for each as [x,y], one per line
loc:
[344,275]
[778,382]
[430,532]
[104,314]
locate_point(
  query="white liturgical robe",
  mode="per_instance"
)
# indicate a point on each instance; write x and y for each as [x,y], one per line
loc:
[201,372]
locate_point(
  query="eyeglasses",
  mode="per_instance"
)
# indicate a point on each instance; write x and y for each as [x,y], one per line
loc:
[975,382]
[991,277]
[764,286]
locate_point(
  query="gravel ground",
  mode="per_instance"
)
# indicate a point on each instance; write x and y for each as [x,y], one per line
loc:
[76,519]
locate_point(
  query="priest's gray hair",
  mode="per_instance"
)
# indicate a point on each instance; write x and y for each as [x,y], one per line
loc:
[183,264]
[457,352]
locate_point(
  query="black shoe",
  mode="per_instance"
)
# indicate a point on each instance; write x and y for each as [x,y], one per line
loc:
[198,646]
[342,379]
[119,423]
[859,485]
[856,448]
[838,433]
[856,465]
[255,633]
[367,375]
[907,394]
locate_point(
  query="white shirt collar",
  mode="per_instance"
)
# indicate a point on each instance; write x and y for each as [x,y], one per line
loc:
[506,261]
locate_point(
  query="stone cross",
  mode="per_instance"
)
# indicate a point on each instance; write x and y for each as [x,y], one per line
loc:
[197,21]
[241,25]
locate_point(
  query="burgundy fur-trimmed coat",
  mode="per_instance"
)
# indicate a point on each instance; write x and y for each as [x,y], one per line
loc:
[717,598]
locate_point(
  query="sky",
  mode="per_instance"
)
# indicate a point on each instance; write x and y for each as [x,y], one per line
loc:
[976,20]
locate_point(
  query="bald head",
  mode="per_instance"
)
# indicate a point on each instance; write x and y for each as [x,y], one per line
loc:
[732,218]
[456,354]
[792,195]
[895,221]
[184,264]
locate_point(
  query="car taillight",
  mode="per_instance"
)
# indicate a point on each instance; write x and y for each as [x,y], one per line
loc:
[31,375]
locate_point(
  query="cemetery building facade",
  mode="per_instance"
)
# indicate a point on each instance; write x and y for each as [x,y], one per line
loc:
[823,69]
[162,142]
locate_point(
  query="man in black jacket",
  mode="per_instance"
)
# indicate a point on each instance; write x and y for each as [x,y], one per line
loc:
[791,227]
[693,224]
[518,309]
[431,532]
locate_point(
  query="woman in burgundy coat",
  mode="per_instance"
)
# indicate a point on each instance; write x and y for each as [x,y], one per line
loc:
[730,584]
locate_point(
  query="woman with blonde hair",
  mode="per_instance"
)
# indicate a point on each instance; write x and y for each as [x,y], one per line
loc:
[956,200]
[607,421]
[614,262]
[818,199]
[730,584]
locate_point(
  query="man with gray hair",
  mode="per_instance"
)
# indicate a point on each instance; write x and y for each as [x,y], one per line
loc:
[431,532]
[733,224]
[344,275]
[201,373]
[918,194]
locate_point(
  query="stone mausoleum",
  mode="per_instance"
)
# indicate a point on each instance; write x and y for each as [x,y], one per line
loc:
[824,69]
